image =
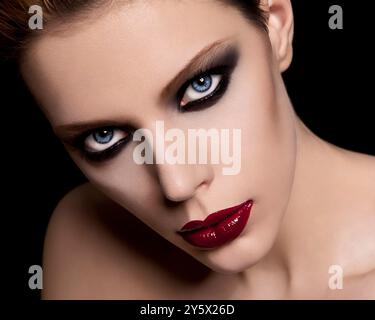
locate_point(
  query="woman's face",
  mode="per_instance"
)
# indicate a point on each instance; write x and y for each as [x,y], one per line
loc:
[112,73]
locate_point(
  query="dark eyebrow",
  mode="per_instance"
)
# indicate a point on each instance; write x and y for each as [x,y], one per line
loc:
[201,61]
[69,132]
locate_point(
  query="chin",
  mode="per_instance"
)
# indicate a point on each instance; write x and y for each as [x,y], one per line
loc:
[232,266]
[237,256]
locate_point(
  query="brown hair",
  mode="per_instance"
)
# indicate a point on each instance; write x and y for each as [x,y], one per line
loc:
[15,33]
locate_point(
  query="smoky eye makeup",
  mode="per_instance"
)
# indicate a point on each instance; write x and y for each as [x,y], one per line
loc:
[206,84]
[100,144]
[209,83]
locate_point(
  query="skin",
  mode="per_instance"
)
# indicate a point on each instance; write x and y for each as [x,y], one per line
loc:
[115,237]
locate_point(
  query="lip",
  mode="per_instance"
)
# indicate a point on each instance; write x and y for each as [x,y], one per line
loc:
[218,228]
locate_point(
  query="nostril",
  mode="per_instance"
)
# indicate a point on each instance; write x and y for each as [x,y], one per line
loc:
[202,185]
[181,183]
[176,193]
[170,203]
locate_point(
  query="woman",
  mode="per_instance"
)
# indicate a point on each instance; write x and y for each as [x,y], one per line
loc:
[295,221]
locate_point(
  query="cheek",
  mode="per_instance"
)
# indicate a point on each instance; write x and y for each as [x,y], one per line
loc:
[266,119]
[122,180]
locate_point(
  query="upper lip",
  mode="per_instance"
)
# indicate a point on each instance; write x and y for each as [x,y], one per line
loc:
[212,219]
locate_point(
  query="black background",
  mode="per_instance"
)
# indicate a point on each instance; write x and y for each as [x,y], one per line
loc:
[330,84]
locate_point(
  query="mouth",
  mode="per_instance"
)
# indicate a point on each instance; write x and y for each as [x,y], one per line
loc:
[218,228]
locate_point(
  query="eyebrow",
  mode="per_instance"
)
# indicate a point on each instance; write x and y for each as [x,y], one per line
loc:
[201,61]
[69,132]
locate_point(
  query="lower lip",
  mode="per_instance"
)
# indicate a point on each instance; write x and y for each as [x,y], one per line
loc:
[222,232]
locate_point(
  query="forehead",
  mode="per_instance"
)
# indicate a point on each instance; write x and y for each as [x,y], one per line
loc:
[121,60]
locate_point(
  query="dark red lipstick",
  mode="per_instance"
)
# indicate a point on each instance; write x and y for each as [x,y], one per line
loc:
[218,228]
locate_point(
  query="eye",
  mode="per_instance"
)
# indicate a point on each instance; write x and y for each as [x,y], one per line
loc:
[103,139]
[200,88]
[208,84]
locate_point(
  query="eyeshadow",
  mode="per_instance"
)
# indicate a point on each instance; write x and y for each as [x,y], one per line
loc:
[227,56]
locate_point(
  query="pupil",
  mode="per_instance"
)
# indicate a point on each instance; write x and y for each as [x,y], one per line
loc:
[103,133]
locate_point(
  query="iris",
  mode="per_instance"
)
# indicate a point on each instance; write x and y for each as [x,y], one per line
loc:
[103,136]
[202,84]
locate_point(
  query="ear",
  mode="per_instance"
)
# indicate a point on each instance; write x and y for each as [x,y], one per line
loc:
[281,30]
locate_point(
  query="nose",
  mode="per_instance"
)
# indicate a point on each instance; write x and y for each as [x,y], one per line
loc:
[180,182]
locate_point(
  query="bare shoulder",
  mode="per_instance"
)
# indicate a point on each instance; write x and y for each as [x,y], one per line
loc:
[84,250]
[70,255]
[95,249]
[359,241]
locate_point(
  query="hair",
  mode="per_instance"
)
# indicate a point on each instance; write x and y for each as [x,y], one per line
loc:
[15,34]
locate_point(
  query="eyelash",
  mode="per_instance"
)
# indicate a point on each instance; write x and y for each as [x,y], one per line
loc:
[100,156]
[205,102]
[110,152]
[210,99]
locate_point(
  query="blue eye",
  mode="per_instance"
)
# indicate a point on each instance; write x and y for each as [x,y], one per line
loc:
[201,88]
[103,139]
[103,136]
[202,84]
[209,82]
